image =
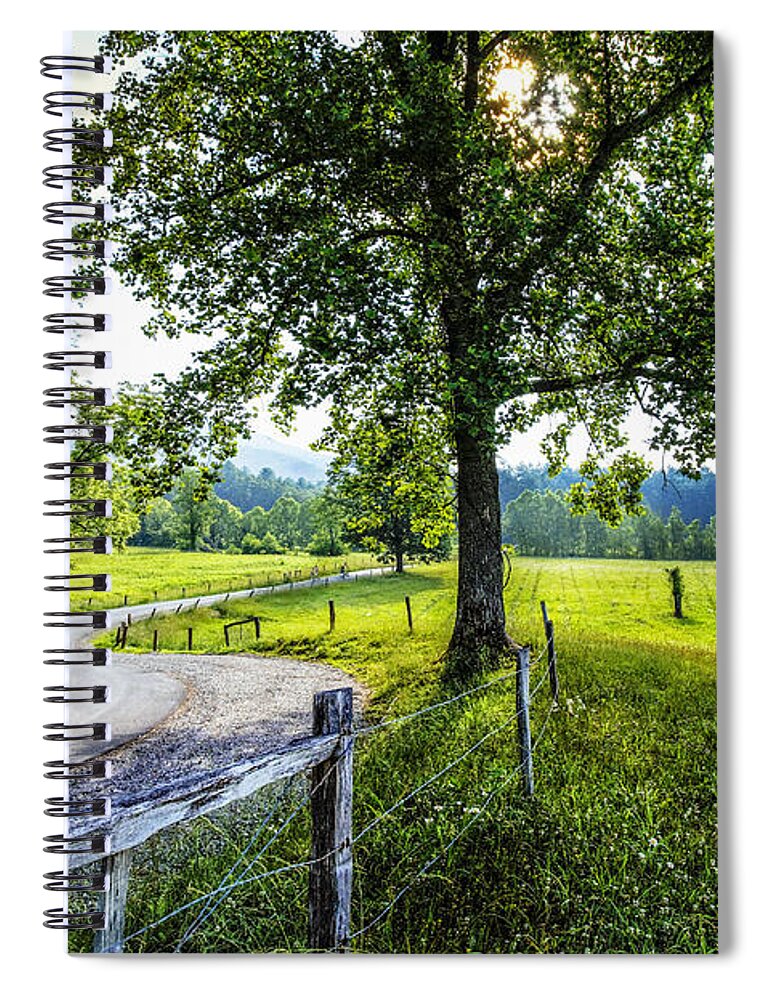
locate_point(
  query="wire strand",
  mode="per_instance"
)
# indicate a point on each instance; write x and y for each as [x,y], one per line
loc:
[434,777]
[209,909]
[426,867]
[436,705]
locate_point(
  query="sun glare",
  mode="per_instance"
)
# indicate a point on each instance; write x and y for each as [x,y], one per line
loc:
[513,84]
[513,90]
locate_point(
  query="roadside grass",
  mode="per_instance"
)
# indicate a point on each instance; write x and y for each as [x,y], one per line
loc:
[138,574]
[615,853]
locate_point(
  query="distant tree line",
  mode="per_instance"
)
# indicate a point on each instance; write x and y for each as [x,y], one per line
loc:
[376,502]
[540,524]
[194,517]
[246,490]
[359,510]
[661,492]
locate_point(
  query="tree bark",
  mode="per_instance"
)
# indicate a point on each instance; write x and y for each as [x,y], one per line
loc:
[479,634]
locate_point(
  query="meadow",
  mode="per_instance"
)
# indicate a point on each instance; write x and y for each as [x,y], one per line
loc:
[617,850]
[139,574]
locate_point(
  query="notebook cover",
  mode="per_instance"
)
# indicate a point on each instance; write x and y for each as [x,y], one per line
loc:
[412,609]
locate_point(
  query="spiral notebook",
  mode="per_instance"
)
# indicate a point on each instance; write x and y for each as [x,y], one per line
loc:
[388,542]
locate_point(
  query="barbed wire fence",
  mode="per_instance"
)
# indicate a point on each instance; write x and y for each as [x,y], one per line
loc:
[241,872]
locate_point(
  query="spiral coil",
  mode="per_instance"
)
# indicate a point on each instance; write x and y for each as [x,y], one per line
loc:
[78,142]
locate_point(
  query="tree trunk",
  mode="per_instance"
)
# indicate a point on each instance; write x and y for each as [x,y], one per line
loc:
[399,561]
[479,633]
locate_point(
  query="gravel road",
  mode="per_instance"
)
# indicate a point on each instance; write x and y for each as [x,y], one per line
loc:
[234,707]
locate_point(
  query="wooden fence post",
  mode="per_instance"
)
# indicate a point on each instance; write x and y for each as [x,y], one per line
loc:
[331,876]
[332,616]
[522,708]
[110,937]
[155,640]
[553,676]
[257,627]
[189,638]
[408,603]
[227,635]
[124,636]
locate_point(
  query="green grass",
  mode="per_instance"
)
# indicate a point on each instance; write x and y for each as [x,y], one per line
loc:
[616,852]
[138,574]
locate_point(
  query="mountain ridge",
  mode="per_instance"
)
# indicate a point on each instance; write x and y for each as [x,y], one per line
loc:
[289,460]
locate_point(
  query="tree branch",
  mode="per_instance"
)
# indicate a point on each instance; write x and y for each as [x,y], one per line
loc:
[572,209]
[472,63]
[254,180]
[490,46]
[567,383]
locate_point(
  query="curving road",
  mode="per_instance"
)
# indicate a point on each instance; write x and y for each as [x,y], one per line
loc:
[172,713]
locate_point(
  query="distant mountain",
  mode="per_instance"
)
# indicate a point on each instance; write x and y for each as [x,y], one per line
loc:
[285,459]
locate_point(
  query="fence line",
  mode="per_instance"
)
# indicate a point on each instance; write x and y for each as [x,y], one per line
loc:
[440,704]
[172,594]
[370,826]
[316,860]
[225,890]
[338,751]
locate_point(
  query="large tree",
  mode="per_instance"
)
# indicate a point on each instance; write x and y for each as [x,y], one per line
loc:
[519,222]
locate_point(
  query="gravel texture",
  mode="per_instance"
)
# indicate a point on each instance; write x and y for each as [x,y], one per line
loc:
[235,707]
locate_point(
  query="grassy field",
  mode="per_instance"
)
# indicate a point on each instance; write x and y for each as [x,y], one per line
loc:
[615,853]
[140,574]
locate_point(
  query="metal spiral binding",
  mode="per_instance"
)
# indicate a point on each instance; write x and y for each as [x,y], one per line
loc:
[79,140]
[64,323]
[99,470]
[60,361]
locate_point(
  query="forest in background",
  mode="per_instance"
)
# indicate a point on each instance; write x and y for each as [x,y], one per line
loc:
[262,513]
